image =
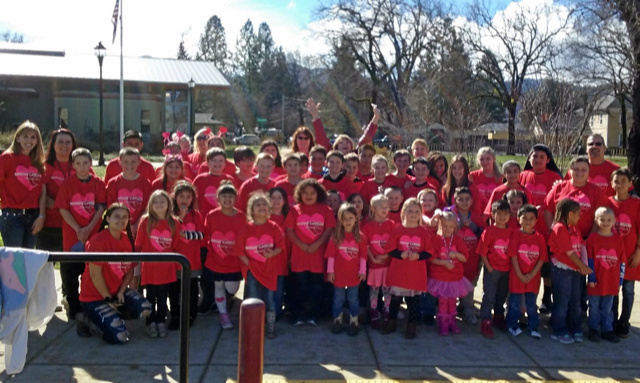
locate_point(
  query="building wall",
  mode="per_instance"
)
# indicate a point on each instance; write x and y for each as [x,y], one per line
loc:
[38,109]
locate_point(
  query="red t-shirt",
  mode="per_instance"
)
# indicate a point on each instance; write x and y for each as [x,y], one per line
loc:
[472,266]
[395,216]
[500,191]
[479,201]
[310,174]
[600,175]
[55,174]
[365,177]
[414,189]
[114,168]
[563,240]
[249,186]
[21,183]
[186,168]
[237,182]
[529,249]
[196,159]
[113,272]
[192,221]
[343,185]
[370,188]
[404,273]
[378,234]
[484,184]
[607,254]
[399,181]
[132,193]
[157,184]
[441,273]
[493,245]
[283,262]
[538,185]
[220,232]
[588,196]
[79,198]
[252,242]
[628,227]
[308,223]
[229,168]
[207,186]
[158,240]
[347,257]
[289,188]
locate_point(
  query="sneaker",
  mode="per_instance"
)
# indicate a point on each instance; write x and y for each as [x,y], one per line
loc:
[535,334]
[225,322]
[152,330]
[337,326]
[609,336]
[594,336]
[515,331]
[297,323]
[162,330]
[564,339]
[578,337]
[312,322]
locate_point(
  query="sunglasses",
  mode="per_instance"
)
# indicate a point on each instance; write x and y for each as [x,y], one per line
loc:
[304,138]
[595,144]
[201,138]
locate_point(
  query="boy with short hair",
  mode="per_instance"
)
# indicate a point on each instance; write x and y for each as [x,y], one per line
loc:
[380,180]
[422,180]
[317,169]
[402,161]
[528,251]
[337,178]
[244,159]
[265,164]
[291,162]
[132,139]
[207,184]
[396,199]
[365,155]
[81,199]
[351,166]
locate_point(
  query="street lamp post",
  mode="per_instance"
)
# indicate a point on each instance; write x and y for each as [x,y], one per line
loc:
[100,51]
[192,86]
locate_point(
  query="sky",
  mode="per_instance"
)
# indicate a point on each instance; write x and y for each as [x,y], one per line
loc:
[155,27]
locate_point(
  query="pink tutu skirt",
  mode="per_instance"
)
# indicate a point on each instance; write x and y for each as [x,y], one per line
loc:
[377,277]
[449,289]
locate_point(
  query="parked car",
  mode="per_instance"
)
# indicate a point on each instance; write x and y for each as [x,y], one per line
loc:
[247,139]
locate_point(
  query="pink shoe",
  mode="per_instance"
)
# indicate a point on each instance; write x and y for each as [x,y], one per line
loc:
[443,324]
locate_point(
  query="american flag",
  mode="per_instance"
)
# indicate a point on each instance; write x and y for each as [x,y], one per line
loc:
[114,19]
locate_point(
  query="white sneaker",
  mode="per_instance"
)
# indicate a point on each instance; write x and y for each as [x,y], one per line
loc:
[162,330]
[152,330]
[535,334]
[515,331]
[225,322]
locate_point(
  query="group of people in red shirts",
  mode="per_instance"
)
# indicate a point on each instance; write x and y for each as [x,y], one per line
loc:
[331,215]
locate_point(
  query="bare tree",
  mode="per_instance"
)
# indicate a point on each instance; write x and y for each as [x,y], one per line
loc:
[513,46]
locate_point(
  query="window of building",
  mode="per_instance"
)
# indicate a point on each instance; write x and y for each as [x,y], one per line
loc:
[145,121]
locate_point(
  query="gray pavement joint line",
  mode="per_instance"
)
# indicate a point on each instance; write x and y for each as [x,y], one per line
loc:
[210,358]
[543,369]
[71,325]
[373,350]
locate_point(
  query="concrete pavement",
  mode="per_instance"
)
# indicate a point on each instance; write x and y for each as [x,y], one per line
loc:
[57,354]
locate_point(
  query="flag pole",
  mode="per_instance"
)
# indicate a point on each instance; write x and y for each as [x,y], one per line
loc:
[121,79]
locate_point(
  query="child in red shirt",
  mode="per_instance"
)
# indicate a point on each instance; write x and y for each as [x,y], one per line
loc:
[346,267]
[308,226]
[396,200]
[378,231]
[607,257]
[291,163]
[158,232]
[132,139]
[422,180]
[171,172]
[516,199]
[337,178]
[317,170]
[334,201]
[379,182]
[351,163]
[264,166]
[409,247]
[259,246]
[81,199]
[244,158]
[528,252]
[511,170]
[279,212]
[488,177]
[428,198]
[492,249]
[457,176]
[363,211]
[365,156]
[446,273]
[207,184]
[190,245]
[402,161]
[271,147]
[222,271]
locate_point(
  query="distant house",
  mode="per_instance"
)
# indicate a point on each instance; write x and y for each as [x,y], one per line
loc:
[496,135]
[606,120]
[54,88]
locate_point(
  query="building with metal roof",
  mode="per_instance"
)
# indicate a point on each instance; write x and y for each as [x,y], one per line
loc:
[54,88]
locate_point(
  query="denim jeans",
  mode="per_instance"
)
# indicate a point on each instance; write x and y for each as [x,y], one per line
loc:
[308,286]
[254,289]
[157,296]
[108,319]
[566,315]
[627,304]
[16,227]
[532,310]
[495,290]
[351,295]
[278,296]
[428,305]
[600,315]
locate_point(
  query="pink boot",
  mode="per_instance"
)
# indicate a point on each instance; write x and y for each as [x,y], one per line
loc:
[453,326]
[443,324]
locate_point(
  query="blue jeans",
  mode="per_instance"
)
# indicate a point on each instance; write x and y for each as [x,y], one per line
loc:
[566,315]
[108,319]
[514,310]
[600,315]
[351,294]
[627,304]
[254,289]
[278,296]
[428,305]
[16,227]
[495,287]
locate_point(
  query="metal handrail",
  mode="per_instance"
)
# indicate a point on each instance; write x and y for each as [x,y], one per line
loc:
[148,257]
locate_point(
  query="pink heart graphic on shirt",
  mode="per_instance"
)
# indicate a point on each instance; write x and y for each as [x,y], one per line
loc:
[160,239]
[600,182]
[608,258]
[83,204]
[210,195]
[256,247]
[408,243]
[28,176]
[529,254]
[223,243]
[623,224]
[583,200]
[311,226]
[468,236]
[131,199]
[57,177]
[486,189]
[348,249]
[576,244]
[119,269]
[379,242]
[501,248]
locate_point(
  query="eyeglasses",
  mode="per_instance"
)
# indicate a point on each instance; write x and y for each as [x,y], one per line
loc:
[304,138]
[201,138]
[595,144]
